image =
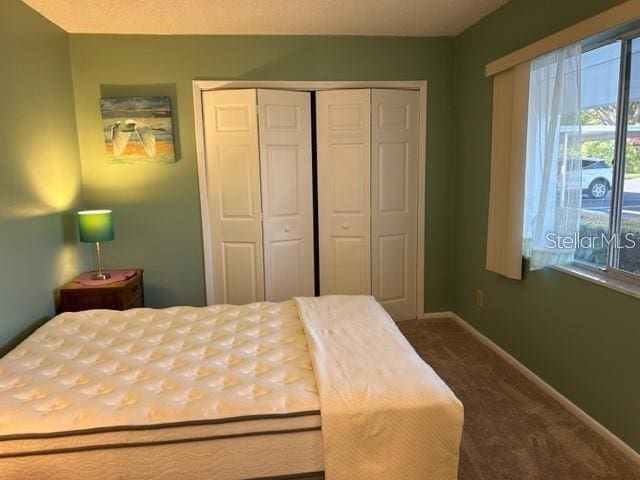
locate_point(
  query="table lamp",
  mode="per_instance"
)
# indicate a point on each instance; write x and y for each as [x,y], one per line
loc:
[96,226]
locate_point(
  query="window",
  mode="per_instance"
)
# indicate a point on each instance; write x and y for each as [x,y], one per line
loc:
[582,200]
[610,152]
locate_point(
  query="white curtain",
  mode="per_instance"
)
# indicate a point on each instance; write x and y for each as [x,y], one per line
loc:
[553,189]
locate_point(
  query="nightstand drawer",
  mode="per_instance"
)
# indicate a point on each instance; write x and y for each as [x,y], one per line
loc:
[133,290]
[121,295]
[77,302]
[136,302]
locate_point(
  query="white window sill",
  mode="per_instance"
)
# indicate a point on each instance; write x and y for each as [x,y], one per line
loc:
[602,279]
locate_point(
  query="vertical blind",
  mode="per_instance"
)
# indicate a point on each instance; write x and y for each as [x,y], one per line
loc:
[508,148]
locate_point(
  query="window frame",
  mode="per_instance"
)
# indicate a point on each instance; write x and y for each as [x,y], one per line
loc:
[612,268]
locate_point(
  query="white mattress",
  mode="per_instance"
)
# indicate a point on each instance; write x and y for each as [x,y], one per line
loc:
[95,385]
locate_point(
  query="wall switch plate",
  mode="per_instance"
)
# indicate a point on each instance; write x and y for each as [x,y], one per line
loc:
[479,297]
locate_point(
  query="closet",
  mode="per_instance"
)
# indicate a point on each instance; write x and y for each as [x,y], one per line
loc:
[265,237]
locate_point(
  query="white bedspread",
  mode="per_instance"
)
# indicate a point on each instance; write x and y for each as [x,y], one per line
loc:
[385,413]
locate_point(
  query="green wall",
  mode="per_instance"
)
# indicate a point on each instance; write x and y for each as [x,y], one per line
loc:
[581,338]
[39,169]
[156,207]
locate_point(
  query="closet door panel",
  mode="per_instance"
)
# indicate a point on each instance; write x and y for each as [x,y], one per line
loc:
[231,134]
[287,193]
[239,272]
[351,265]
[394,222]
[344,156]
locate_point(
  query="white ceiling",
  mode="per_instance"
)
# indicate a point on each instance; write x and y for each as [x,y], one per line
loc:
[263,17]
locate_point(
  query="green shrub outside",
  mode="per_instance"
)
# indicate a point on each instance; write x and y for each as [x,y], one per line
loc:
[596,225]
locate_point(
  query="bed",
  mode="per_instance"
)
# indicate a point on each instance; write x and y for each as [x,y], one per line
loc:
[265,390]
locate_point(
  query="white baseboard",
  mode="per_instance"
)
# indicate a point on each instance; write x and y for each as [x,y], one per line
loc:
[598,428]
[432,315]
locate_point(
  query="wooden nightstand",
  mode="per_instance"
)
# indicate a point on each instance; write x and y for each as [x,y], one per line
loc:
[122,295]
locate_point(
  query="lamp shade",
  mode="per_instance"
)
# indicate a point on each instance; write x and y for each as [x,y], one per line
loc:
[95,226]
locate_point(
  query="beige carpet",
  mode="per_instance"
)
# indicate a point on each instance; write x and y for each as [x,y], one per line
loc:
[513,430]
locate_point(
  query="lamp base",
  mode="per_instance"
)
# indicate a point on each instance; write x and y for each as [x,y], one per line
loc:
[100,276]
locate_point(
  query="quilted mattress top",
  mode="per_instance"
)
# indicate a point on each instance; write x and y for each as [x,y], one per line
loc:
[100,369]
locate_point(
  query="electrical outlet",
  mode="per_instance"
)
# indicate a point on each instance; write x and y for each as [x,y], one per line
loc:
[479,297]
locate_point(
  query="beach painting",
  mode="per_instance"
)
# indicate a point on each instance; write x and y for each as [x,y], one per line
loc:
[137,129]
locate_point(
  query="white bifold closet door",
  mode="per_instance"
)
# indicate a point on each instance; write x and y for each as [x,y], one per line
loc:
[287,193]
[233,170]
[259,194]
[344,195]
[368,195]
[394,200]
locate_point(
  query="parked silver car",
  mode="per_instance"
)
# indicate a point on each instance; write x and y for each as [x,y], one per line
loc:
[597,177]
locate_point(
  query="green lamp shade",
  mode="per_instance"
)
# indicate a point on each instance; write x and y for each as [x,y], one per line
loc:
[95,226]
